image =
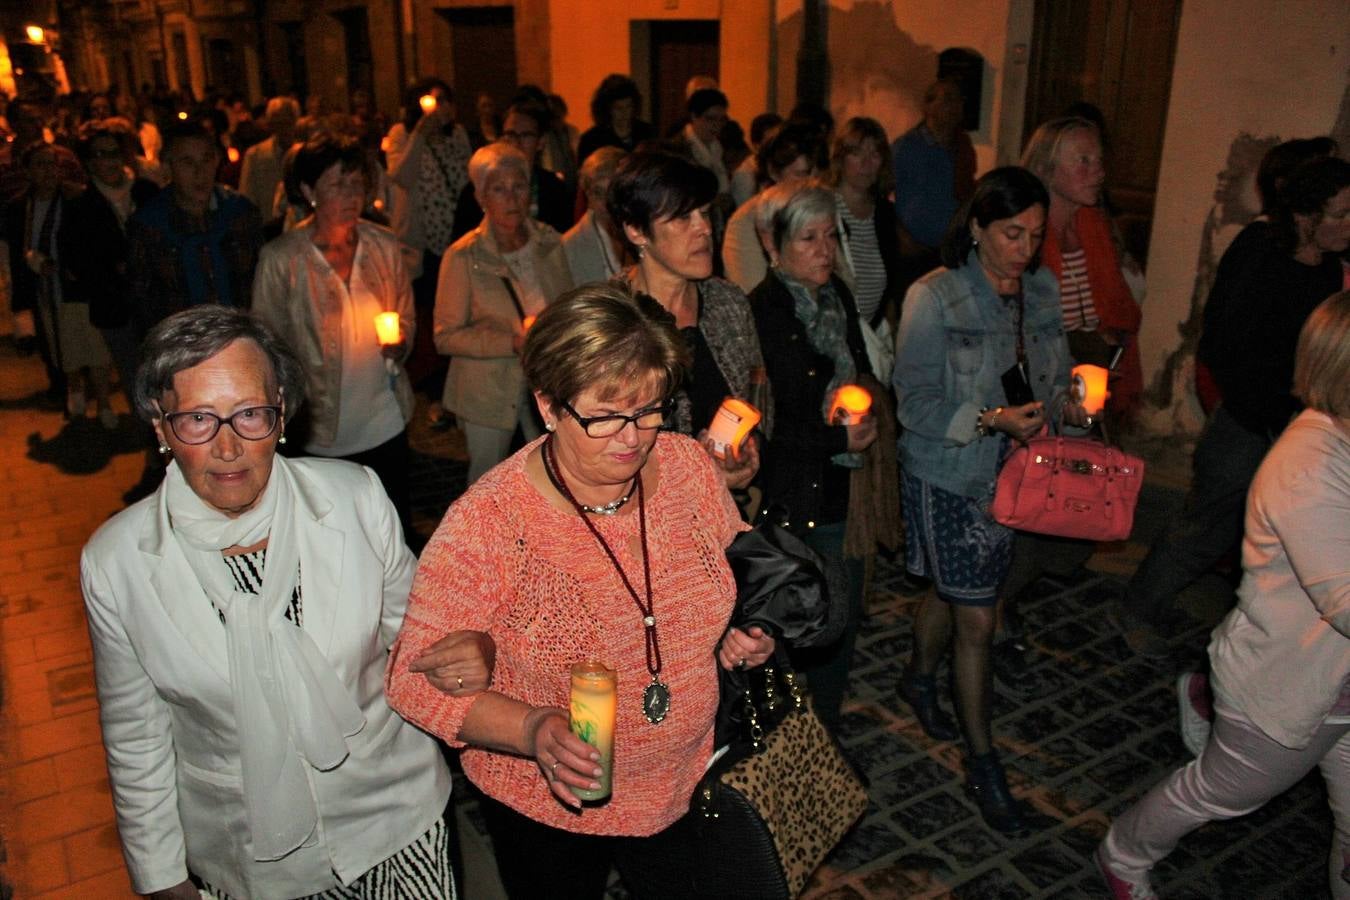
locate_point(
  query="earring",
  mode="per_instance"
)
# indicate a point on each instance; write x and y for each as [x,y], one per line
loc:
[551,426]
[641,250]
[974,242]
[163,448]
[282,439]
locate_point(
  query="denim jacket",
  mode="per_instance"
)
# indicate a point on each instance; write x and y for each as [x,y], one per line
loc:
[957,337]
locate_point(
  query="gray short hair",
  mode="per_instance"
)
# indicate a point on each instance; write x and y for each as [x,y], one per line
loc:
[492,158]
[783,210]
[600,164]
[194,335]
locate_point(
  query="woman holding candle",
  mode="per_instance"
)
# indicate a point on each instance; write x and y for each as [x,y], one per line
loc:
[491,280]
[1100,312]
[660,202]
[992,317]
[321,287]
[603,541]
[813,350]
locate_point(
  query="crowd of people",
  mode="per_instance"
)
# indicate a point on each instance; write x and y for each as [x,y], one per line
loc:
[579,304]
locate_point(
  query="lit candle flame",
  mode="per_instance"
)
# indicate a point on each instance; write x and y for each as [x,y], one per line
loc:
[853,402]
[1089,386]
[428,103]
[387,328]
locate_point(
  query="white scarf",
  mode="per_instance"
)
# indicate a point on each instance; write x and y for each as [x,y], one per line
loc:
[291,708]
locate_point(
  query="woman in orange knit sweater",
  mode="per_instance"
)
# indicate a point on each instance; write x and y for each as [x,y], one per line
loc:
[603,540]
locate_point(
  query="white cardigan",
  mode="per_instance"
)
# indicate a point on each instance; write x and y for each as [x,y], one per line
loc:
[164,696]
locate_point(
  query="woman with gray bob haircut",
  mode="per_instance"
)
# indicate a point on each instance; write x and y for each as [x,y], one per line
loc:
[240,618]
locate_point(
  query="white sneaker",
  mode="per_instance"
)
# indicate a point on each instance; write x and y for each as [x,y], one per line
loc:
[1119,888]
[1195,710]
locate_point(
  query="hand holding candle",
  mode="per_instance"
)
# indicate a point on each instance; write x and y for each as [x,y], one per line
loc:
[851,403]
[1089,387]
[731,425]
[428,103]
[594,708]
[388,329]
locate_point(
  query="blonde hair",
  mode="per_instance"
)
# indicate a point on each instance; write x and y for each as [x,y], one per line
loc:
[1322,362]
[600,164]
[1043,148]
[599,337]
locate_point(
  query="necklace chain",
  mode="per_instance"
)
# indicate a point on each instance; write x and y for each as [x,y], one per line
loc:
[653,645]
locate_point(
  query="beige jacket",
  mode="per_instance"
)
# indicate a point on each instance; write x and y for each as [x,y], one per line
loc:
[296,293]
[1282,656]
[476,322]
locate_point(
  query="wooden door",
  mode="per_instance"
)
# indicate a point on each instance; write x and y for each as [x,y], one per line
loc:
[680,49]
[483,54]
[1117,55]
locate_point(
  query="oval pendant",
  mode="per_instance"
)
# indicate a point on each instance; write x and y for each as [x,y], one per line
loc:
[655,701]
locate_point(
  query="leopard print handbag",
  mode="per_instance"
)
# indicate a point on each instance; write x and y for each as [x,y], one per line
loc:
[776,803]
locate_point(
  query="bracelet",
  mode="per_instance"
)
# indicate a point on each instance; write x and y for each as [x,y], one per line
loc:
[980,429]
[989,429]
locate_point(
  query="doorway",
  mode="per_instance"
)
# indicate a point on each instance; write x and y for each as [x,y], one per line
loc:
[483,55]
[356,40]
[678,50]
[1117,55]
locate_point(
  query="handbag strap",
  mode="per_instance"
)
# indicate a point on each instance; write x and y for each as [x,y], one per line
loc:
[515,299]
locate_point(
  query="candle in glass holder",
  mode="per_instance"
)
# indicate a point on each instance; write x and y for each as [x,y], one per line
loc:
[1089,386]
[853,402]
[387,328]
[731,425]
[427,102]
[526,322]
[594,707]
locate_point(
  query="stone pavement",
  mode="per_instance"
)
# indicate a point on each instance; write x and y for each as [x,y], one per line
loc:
[1086,733]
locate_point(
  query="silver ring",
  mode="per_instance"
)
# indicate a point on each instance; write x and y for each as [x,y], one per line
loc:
[741,665]
[459,680]
[553,770]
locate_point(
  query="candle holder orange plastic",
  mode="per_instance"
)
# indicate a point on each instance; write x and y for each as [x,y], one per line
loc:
[731,426]
[853,402]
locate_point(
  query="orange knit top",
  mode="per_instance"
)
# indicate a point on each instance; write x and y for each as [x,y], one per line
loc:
[506,561]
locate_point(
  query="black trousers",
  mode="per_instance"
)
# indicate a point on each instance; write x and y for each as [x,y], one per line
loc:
[390,462]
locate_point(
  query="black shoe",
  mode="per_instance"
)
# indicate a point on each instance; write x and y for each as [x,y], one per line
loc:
[988,787]
[920,692]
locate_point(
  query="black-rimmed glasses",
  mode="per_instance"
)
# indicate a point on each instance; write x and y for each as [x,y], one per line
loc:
[608,426]
[252,423]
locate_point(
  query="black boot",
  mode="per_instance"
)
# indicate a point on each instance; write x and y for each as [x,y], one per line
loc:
[920,692]
[988,787]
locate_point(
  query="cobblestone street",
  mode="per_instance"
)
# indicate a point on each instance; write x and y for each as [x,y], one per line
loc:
[1084,733]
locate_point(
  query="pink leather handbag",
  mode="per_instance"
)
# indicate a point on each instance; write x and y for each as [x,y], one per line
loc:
[1069,487]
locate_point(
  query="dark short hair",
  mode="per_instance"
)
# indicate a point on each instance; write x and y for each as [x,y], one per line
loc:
[653,184]
[612,89]
[999,194]
[192,336]
[783,147]
[413,94]
[762,124]
[183,130]
[532,111]
[814,115]
[325,150]
[1305,193]
[600,337]
[1284,158]
[114,127]
[704,99]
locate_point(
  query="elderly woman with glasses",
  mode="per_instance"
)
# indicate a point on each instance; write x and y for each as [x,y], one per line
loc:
[492,281]
[603,541]
[240,618]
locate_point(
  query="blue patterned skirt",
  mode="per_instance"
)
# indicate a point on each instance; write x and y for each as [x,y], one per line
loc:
[951,539]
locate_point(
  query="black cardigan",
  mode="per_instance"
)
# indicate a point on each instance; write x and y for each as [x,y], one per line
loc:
[796,474]
[94,254]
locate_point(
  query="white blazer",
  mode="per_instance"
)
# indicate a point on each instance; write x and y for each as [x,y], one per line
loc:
[165,704]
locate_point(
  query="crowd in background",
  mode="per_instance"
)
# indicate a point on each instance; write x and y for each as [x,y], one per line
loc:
[795,256]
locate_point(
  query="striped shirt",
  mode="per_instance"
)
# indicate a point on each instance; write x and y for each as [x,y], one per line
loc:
[864,256]
[1075,293]
[247,571]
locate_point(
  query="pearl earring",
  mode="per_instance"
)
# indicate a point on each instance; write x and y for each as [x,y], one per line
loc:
[163,448]
[551,426]
[282,439]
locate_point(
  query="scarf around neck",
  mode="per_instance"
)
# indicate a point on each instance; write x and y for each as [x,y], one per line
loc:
[291,708]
